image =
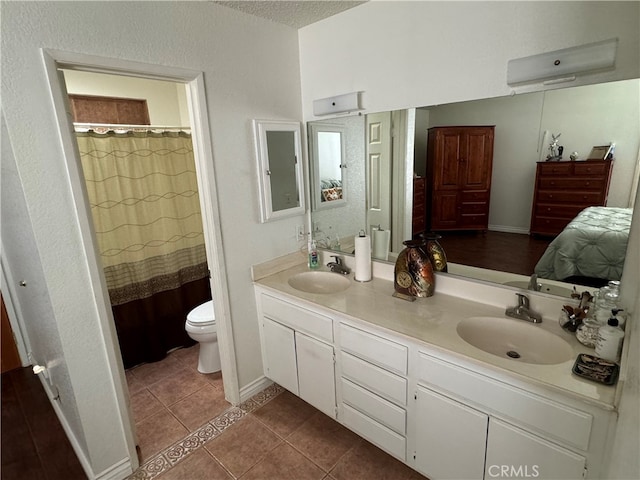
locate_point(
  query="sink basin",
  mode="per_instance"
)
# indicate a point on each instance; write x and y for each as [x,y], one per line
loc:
[515,339]
[546,288]
[319,282]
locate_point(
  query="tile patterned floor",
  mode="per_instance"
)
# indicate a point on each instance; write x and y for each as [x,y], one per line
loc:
[187,431]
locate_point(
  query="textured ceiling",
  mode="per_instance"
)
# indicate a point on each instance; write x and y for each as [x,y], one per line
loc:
[295,14]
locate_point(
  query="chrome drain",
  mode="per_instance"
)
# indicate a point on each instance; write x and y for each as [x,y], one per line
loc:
[513,354]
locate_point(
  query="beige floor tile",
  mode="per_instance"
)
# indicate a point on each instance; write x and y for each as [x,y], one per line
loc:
[180,384]
[323,440]
[243,445]
[144,404]
[284,463]
[187,356]
[198,466]
[157,432]
[133,383]
[367,462]
[150,373]
[285,413]
[200,407]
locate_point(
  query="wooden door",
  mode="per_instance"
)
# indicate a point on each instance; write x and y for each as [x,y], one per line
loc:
[10,359]
[446,159]
[476,159]
[445,212]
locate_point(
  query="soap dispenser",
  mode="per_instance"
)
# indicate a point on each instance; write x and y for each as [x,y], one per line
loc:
[313,255]
[610,337]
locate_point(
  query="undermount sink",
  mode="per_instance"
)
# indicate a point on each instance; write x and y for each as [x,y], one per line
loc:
[319,282]
[515,339]
[545,288]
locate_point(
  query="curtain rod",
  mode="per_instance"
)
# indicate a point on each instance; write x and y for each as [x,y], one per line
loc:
[123,127]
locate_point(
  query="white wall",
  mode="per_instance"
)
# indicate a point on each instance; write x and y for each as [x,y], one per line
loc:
[165,100]
[410,54]
[246,76]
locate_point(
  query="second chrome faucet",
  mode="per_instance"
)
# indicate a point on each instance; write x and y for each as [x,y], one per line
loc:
[522,310]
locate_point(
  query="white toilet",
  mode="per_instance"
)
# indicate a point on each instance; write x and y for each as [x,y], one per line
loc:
[201,326]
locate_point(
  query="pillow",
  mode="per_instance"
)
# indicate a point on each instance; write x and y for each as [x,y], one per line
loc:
[329,194]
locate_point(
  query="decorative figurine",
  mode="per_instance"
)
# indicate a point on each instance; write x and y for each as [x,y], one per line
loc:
[555,151]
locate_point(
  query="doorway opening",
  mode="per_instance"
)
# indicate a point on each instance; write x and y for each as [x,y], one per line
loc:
[56,61]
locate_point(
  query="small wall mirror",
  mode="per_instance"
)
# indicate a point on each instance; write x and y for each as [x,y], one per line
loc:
[328,163]
[280,176]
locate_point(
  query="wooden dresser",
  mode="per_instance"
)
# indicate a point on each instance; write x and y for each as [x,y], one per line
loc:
[564,189]
[419,219]
[459,163]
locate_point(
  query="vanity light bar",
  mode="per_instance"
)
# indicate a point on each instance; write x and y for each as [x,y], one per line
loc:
[338,104]
[563,63]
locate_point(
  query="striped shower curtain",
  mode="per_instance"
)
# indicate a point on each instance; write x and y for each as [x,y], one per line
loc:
[144,201]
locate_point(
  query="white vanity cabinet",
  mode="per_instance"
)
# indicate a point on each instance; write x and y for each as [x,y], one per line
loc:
[297,351]
[372,389]
[471,426]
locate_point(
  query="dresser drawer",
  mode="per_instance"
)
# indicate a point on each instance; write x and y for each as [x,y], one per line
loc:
[575,198]
[551,418]
[386,384]
[374,349]
[300,319]
[558,211]
[592,168]
[547,225]
[581,183]
[474,196]
[554,169]
[478,220]
[379,409]
[376,433]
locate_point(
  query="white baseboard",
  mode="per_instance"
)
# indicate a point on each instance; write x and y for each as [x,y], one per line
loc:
[508,229]
[117,471]
[254,387]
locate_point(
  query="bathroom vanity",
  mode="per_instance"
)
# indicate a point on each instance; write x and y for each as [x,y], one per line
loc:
[398,374]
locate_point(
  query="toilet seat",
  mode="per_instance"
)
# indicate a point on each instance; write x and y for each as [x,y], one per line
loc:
[203,315]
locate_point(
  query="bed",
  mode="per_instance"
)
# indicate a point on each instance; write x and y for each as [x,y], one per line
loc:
[330,189]
[592,246]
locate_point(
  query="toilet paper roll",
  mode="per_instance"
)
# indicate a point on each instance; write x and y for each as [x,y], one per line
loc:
[381,239]
[363,258]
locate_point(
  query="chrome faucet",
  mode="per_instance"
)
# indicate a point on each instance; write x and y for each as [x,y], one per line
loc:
[522,310]
[533,283]
[338,267]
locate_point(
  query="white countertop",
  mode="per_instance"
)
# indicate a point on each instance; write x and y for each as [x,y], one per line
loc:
[433,321]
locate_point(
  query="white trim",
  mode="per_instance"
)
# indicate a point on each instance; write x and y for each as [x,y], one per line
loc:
[117,471]
[53,60]
[254,387]
[508,229]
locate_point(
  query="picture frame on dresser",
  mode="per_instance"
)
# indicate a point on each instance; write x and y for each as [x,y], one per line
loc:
[600,152]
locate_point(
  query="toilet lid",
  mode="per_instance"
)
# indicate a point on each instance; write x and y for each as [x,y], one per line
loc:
[202,314]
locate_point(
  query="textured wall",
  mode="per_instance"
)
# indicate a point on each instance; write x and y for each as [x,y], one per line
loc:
[246,76]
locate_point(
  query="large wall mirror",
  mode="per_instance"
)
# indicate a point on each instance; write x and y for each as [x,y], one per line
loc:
[585,116]
[279,166]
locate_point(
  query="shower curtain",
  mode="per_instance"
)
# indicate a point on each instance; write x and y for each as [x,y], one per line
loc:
[144,201]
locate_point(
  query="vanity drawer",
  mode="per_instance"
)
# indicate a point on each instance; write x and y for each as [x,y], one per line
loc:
[300,319]
[386,384]
[537,413]
[374,349]
[385,412]
[376,433]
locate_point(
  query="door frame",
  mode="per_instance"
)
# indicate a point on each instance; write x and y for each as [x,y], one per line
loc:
[196,99]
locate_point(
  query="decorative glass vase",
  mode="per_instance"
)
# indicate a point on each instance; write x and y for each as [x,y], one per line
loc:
[413,274]
[435,252]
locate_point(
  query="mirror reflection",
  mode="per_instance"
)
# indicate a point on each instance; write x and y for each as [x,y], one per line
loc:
[525,127]
[327,153]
